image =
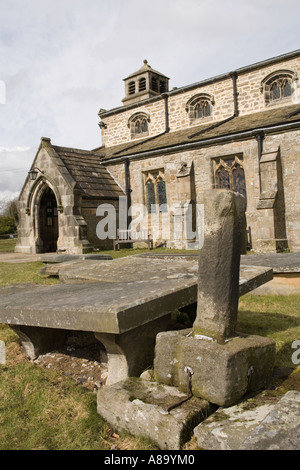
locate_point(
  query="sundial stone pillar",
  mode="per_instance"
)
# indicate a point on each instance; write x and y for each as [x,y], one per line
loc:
[219,265]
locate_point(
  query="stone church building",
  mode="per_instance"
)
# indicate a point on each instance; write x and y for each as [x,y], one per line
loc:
[161,148]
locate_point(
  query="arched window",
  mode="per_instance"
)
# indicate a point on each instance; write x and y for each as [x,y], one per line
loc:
[200,107]
[229,174]
[278,86]
[155,191]
[139,125]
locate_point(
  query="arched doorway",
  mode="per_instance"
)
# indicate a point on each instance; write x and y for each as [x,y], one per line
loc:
[48,221]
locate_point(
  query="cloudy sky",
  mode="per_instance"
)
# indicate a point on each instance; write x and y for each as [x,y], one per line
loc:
[63,60]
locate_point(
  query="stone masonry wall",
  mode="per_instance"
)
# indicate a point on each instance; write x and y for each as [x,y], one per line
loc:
[261,222]
[250,99]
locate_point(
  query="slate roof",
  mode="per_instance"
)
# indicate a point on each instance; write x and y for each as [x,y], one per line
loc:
[92,179]
[202,134]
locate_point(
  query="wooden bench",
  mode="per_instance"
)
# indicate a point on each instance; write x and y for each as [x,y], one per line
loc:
[133,236]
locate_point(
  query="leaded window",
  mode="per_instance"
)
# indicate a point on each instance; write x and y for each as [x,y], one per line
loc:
[200,107]
[155,191]
[278,86]
[280,89]
[138,125]
[229,174]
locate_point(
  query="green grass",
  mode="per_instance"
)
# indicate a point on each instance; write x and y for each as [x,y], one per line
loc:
[274,316]
[8,245]
[138,251]
[19,273]
[42,410]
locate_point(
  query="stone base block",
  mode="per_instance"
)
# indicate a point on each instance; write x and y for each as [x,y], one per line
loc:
[140,407]
[222,373]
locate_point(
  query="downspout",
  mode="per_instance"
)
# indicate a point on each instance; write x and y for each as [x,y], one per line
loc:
[234,76]
[166,97]
[259,136]
[127,188]
[235,114]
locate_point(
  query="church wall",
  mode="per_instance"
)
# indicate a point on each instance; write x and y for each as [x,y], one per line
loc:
[118,132]
[266,224]
[250,99]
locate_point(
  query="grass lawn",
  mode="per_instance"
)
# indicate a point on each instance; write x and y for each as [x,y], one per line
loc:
[40,409]
[8,245]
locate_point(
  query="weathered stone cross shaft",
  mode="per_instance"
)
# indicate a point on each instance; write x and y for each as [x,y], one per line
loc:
[219,265]
[225,364]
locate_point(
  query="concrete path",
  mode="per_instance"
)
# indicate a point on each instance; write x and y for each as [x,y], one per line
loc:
[19,257]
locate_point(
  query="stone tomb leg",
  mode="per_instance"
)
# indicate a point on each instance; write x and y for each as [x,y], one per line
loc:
[131,352]
[36,340]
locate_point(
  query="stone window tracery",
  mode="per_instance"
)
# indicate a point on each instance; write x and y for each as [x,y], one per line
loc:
[278,86]
[138,125]
[229,174]
[200,107]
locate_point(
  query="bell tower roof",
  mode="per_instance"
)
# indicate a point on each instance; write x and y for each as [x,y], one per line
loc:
[144,83]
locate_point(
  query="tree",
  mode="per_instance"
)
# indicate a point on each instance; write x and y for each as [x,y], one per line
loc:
[7,224]
[13,211]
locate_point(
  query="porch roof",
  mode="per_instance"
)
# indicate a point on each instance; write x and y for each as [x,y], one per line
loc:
[92,179]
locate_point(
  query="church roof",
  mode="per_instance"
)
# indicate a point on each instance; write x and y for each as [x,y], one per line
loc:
[219,131]
[145,68]
[92,179]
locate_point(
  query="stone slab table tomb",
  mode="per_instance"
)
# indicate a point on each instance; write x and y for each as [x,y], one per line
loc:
[125,302]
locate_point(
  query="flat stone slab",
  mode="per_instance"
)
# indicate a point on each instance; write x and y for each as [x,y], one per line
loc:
[140,407]
[280,262]
[128,292]
[152,269]
[61,258]
[265,427]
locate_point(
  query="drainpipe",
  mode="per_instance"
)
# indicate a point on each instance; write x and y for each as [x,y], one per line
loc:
[127,188]
[166,97]
[234,76]
[259,136]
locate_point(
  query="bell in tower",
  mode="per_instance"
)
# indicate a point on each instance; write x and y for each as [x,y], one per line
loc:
[143,84]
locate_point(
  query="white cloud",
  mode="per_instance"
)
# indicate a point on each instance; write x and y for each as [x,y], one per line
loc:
[15,162]
[61,61]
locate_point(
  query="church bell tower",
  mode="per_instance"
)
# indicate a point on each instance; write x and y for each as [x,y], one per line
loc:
[144,84]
